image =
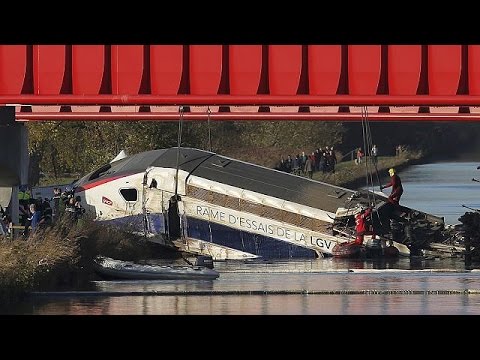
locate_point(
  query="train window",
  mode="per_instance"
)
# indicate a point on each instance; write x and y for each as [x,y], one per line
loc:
[129,194]
[96,174]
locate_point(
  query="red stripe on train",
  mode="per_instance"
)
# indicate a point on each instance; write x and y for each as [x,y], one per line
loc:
[99,182]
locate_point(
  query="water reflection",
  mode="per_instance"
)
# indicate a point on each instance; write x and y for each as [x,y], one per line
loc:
[267,305]
[214,301]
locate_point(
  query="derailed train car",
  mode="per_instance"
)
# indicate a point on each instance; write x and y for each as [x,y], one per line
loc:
[204,203]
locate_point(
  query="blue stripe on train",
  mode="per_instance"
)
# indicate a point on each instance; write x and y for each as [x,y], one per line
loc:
[128,223]
[260,245]
[135,223]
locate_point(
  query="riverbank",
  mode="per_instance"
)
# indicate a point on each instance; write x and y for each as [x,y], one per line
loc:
[61,257]
[350,175]
[347,173]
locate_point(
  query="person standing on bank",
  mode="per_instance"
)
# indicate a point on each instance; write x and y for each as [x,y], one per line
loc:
[374,153]
[308,169]
[34,220]
[397,188]
[57,194]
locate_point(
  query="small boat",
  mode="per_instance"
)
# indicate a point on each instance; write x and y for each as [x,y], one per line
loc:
[118,269]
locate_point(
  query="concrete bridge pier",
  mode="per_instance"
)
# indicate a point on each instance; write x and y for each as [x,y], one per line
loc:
[14,159]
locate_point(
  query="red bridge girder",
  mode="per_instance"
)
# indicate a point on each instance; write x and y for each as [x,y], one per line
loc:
[239,116]
[244,100]
[313,81]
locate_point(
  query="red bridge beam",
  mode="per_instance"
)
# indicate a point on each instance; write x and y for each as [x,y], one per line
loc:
[300,100]
[239,116]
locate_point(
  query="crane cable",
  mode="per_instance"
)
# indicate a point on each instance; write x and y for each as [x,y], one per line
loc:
[365,147]
[374,162]
[179,142]
[367,140]
[209,132]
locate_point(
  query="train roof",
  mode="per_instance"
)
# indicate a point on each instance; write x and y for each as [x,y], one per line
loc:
[248,176]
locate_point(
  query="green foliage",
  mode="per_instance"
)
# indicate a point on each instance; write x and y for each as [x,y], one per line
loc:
[307,134]
[57,148]
[79,147]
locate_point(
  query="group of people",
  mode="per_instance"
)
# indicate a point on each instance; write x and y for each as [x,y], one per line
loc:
[43,215]
[38,213]
[319,160]
[34,214]
[72,205]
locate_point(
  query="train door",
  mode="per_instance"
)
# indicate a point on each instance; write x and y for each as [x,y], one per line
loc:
[155,213]
[131,198]
[174,224]
[132,207]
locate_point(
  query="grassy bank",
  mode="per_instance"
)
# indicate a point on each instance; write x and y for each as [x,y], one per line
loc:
[61,256]
[347,173]
[350,175]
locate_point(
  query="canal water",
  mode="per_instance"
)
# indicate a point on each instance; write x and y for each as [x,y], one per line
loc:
[412,286]
[441,188]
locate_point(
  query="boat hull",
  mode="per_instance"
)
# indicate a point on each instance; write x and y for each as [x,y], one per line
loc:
[348,250]
[116,269]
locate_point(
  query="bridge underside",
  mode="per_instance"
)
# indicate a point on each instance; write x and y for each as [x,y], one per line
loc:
[232,82]
[244,116]
[248,108]
[241,82]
